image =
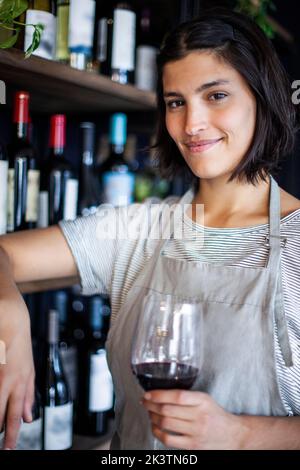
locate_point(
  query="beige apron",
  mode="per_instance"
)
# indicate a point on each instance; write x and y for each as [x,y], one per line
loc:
[240,307]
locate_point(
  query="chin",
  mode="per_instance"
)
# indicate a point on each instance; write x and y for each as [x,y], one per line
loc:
[207,171]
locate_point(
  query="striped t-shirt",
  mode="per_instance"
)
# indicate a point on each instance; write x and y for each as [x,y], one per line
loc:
[109,264]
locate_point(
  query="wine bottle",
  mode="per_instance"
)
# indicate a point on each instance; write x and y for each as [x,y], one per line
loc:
[23,173]
[81,30]
[3,188]
[96,397]
[62,31]
[145,77]
[41,12]
[117,177]
[116,46]
[89,189]
[67,346]
[62,184]
[57,402]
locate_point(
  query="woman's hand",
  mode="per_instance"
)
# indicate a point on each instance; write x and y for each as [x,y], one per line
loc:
[197,419]
[17,373]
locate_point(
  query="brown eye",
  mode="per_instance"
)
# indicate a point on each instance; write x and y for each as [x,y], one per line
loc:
[174,104]
[218,96]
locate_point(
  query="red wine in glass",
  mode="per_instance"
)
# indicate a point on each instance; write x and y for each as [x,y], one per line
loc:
[165,375]
[167,346]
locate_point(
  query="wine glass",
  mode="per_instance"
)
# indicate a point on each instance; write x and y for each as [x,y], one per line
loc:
[167,349]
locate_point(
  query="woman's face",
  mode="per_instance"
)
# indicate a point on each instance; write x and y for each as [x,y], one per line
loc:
[208,100]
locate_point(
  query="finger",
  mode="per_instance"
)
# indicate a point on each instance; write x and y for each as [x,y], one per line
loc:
[187,413]
[171,425]
[177,397]
[13,419]
[29,399]
[172,441]
[3,405]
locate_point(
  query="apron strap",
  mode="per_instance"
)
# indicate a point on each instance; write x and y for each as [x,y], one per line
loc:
[274,265]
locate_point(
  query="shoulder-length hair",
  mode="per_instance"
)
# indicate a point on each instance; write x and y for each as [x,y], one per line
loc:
[239,41]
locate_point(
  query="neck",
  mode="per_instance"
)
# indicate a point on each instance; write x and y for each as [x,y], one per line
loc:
[234,204]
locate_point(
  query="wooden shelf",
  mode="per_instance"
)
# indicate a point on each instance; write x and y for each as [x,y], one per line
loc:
[39,286]
[57,87]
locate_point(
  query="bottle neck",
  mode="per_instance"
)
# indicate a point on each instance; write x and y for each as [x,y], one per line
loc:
[125,5]
[21,130]
[21,115]
[57,151]
[96,334]
[53,351]
[145,26]
[3,155]
[88,158]
[54,358]
[58,133]
[117,149]
[62,328]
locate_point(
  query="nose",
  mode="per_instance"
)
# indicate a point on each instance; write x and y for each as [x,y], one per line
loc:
[196,120]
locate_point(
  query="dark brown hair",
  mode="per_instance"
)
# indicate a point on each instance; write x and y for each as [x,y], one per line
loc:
[239,41]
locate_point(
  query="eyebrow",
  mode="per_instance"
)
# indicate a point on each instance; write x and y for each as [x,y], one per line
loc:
[203,87]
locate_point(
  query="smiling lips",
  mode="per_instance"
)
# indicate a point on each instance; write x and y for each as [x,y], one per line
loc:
[202,145]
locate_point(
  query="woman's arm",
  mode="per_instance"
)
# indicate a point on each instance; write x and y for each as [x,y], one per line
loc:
[203,424]
[24,256]
[38,255]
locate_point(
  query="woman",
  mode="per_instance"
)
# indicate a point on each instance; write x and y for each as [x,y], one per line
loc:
[225,117]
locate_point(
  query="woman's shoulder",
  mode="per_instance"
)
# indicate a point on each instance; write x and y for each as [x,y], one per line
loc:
[289,203]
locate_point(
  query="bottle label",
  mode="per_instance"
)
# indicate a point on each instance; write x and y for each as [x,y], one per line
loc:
[62,45]
[101,386]
[30,436]
[10,199]
[71,198]
[47,45]
[146,68]
[32,198]
[81,25]
[43,210]
[123,46]
[58,423]
[3,195]
[118,188]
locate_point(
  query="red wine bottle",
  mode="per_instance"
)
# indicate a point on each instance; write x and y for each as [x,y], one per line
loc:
[67,347]
[146,52]
[165,375]
[96,392]
[116,42]
[89,187]
[62,184]
[23,173]
[57,402]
